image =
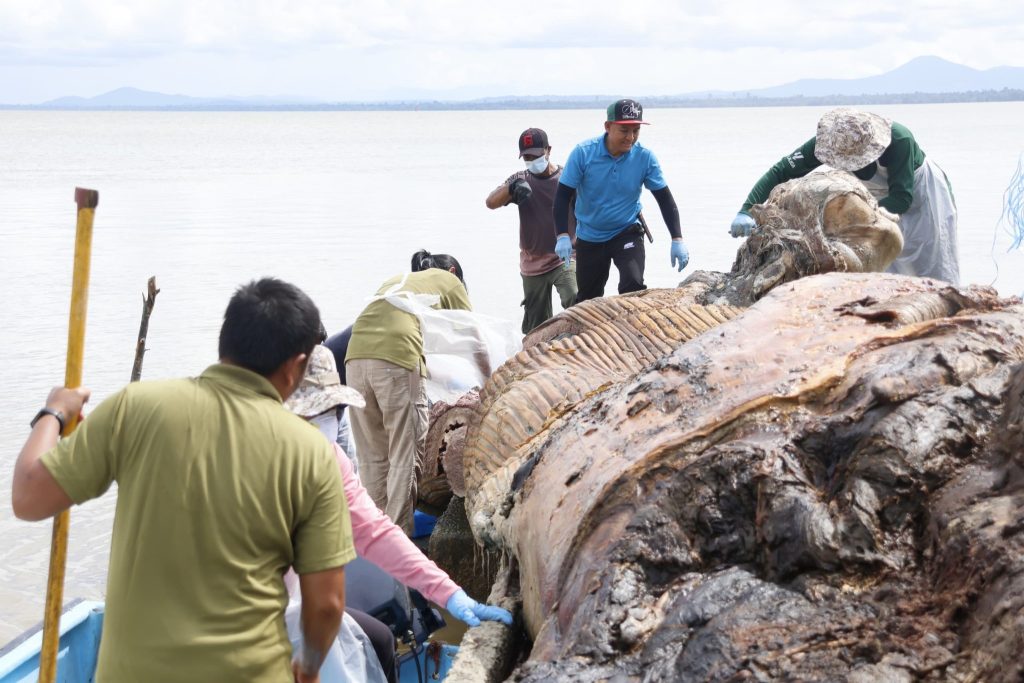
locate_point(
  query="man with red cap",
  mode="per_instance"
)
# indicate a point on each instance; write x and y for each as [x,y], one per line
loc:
[533,190]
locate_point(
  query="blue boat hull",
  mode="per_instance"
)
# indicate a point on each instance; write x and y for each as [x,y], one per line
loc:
[81,626]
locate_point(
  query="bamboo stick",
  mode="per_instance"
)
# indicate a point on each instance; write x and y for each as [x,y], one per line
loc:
[87,201]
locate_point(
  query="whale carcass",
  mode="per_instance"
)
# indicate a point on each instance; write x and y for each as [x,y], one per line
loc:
[826,485]
[814,487]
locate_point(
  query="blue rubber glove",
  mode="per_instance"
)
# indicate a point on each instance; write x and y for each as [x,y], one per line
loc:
[563,247]
[742,225]
[465,608]
[680,254]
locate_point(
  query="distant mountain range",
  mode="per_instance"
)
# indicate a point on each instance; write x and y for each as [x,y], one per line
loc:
[133,98]
[921,75]
[924,79]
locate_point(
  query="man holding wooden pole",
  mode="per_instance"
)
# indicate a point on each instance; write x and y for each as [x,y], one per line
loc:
[220,490]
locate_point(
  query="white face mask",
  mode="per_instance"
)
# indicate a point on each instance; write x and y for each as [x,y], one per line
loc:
[327,423]
[538,165]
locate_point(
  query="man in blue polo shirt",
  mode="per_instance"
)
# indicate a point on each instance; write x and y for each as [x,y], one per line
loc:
[607,174]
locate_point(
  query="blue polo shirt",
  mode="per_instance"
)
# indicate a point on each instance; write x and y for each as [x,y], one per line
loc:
[608,188]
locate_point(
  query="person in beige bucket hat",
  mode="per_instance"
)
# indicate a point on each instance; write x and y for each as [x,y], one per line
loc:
[376,537]
[885,156]
[849,140]
[321,396]
[321,388]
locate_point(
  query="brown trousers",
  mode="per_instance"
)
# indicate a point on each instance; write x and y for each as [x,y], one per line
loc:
[390,434]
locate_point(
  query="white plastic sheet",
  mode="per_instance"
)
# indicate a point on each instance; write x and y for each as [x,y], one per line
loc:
[461,348]
[350,659]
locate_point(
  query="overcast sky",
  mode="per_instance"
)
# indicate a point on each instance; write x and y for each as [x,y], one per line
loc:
[379,49]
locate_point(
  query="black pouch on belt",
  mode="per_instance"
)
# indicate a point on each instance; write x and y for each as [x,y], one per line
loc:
[643,228]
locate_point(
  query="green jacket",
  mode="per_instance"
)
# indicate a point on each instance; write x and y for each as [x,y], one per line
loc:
[901,158]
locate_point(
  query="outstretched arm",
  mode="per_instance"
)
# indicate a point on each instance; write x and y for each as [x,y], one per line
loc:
[669,211]
[795,165]
[378,540]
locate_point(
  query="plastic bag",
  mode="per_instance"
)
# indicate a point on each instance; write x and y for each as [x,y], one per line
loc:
[461,348]
[350,659]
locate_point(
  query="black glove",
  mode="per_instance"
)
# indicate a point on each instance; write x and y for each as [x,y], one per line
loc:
[519,190]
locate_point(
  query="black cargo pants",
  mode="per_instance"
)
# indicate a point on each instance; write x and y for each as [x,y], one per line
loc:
[594,259]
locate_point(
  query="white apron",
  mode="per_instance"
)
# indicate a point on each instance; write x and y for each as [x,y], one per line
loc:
[454,342]
[928,226]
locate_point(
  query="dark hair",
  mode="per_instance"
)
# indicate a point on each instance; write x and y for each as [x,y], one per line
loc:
[423,259]
[267,322]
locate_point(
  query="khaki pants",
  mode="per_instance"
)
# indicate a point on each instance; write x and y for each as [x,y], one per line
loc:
[390,434]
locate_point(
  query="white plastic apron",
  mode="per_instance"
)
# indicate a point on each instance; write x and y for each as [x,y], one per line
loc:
[459,346]
[928,226]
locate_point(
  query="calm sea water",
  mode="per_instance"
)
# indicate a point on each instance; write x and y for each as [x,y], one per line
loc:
[336,202]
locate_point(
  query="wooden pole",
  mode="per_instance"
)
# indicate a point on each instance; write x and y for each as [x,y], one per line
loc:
[87,201]
[140,345]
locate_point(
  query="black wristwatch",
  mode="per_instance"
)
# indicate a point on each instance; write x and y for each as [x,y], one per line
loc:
[48,411]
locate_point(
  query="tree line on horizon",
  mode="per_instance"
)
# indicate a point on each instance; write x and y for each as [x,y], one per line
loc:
[585,102]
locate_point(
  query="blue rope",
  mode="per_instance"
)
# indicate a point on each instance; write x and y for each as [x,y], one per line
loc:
[1012,217]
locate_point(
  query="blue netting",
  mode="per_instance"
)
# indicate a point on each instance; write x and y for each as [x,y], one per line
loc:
[1012,218]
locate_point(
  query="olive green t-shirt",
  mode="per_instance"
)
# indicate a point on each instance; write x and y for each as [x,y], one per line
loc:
[220,490]
[383,332]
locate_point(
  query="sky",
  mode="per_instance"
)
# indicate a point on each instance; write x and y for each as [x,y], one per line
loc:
[339,50]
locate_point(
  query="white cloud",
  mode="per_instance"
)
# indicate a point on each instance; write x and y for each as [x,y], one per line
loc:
[339,49]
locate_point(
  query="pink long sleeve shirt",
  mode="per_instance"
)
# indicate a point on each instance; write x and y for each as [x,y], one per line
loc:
[380,541]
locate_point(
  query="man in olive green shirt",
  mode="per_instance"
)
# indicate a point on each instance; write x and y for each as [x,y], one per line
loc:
[220,490]
[385,364]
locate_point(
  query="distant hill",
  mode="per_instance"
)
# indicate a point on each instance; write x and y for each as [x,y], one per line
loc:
[920,75]
[924,79]
[133,98]
[122,97]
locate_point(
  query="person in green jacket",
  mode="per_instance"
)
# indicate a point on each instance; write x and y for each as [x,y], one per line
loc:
[885,156]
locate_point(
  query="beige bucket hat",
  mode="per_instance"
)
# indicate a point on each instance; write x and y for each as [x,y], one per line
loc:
[321,388]
[849,140]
